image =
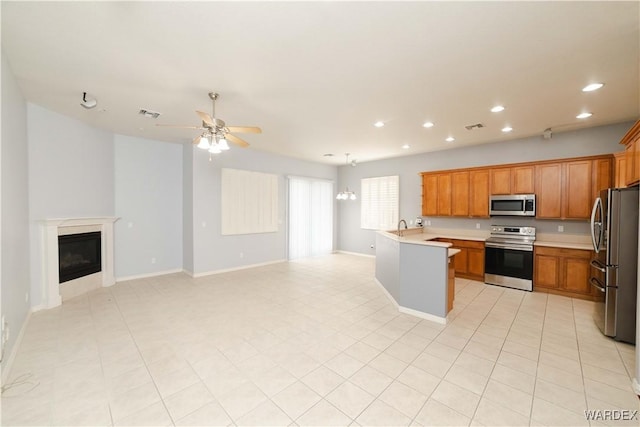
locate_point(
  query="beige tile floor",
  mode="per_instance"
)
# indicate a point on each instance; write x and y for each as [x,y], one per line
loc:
[312,342]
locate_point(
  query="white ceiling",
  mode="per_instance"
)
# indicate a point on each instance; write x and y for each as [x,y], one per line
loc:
[315,76]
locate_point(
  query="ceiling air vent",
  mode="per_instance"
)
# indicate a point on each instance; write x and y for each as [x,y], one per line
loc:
[149,113]
[475,126]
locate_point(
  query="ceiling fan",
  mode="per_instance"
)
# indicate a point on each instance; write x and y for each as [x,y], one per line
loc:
[215,131]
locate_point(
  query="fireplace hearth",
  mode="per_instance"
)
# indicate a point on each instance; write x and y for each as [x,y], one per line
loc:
[79,255]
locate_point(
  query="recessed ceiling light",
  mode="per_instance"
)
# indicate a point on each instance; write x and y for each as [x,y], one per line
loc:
[450,139]
[406,146]
[592,87]
[507,129]
[428,124]
[328,155]
[584,115]
[497,109]
[378,124]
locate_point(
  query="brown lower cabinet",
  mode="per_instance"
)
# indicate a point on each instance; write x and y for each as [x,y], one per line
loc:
[451,285]
[563,271]
[469,262]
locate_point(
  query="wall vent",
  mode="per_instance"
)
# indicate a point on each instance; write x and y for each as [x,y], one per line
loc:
[474,126]
[149,113]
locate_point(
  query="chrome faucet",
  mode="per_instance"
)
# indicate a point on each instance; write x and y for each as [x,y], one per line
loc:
[405,227]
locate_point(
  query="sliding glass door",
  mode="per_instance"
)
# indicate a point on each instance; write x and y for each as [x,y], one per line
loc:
[310,217]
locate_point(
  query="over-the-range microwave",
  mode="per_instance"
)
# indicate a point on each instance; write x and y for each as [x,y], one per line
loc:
[512,205]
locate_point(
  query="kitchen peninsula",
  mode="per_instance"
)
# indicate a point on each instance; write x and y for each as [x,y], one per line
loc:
[414,271]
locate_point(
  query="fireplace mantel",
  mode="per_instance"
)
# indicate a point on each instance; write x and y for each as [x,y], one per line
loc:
[51,230]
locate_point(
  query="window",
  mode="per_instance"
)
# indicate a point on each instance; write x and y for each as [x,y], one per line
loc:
[379,202]
[249,202]
[310,217]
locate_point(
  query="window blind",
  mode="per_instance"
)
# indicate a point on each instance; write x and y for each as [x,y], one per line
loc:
[379,202]
[249,202]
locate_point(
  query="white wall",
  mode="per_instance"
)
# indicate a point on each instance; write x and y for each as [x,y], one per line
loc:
[214,252]
[593,141]
[70,175]
[15,209]
[148,200]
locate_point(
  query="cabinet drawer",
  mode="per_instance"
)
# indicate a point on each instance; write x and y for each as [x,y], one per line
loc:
[563,252]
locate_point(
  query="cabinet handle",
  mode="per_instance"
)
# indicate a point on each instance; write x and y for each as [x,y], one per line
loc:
[595,282]
[598,266]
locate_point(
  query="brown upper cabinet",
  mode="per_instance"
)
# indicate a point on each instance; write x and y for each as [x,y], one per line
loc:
[620,170]
[479,193]
[564,189]
[631,141]
[513,180]
[460,193]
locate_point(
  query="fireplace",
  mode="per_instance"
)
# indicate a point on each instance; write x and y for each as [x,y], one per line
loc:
[79,255]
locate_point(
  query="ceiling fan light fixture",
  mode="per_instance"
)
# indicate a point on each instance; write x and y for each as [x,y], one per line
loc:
[215,149]
[222,143]
[204,143]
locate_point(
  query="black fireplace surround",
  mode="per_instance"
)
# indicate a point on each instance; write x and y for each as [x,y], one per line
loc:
[79,255]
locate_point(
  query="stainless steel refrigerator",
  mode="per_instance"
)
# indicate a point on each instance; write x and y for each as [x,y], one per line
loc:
[614,268]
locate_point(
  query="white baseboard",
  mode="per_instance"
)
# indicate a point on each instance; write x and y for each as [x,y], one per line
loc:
[6,369]
[423,315]
[355,253]
[243,267]
[145,275]
[401,309]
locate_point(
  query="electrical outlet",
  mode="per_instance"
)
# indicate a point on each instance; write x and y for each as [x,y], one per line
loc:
[410,222]
[204,224]
[130,224]
[26,297]
[560,228]
[241,255]
[153,260]
[477,225]
[428,222]
[371,246]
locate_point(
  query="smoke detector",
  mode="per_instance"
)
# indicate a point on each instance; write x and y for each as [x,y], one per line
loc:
[149,113]
[474,126]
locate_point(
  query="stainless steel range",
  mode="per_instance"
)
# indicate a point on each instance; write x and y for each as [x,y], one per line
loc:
[509,257]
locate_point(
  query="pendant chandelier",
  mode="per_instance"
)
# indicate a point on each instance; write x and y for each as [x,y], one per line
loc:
[347,195]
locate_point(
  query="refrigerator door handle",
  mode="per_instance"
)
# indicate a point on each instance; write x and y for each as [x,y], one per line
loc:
[596,283]
[598,265]
[597,205]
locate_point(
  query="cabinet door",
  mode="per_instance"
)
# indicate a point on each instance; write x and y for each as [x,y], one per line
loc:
[602,176]
[620,170]
[444,194]
[546,271]
[549,190]
[577,200]
[429,195]
[476,263]
[461,260]
[575,274]
[479,189]
[636,160]
[523,180]
[501,181]
[460,194]
[630,152]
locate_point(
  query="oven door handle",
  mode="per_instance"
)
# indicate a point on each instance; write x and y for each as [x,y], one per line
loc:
[598,265]
[513,247]
[597,284]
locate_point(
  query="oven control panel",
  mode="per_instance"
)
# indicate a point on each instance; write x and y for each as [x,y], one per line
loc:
[511,230]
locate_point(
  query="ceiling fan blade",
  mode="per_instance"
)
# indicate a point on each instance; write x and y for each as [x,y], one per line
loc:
[205,118]
[196,140]
[180,126]
[244,129]
[238,141]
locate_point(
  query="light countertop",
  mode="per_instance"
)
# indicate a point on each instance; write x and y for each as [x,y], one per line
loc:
[425,236]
